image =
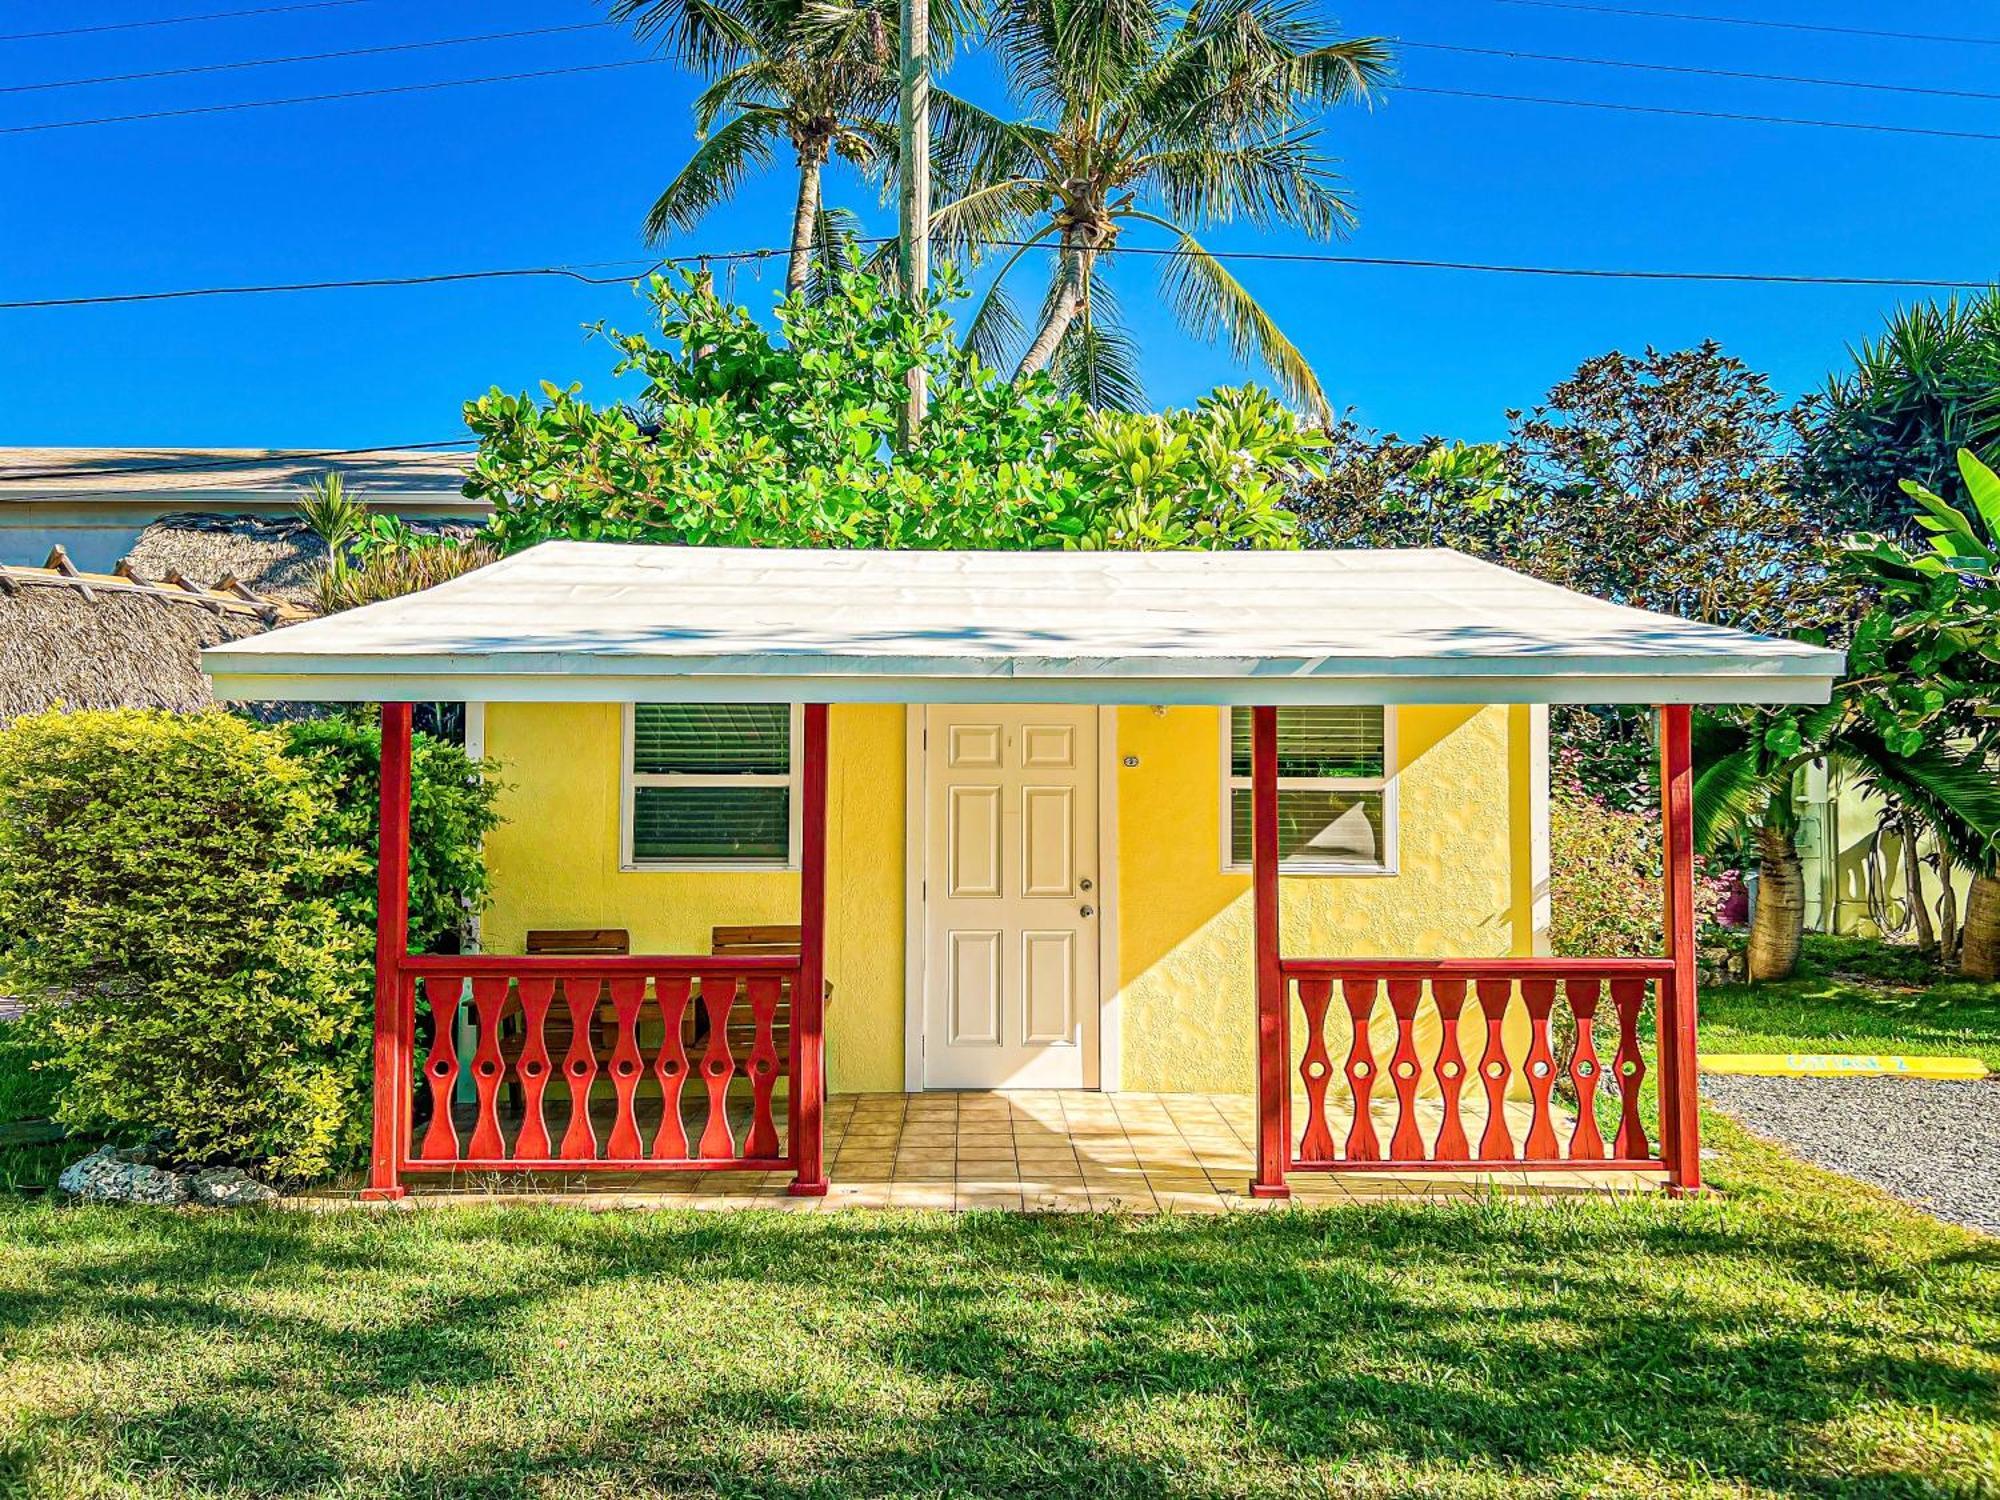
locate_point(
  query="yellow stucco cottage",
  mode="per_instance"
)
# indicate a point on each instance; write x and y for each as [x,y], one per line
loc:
[780,823]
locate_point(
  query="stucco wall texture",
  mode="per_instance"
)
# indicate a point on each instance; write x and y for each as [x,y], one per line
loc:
[1468,783]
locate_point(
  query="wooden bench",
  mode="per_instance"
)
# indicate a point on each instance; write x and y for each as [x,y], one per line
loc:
[775,939]
[724,942]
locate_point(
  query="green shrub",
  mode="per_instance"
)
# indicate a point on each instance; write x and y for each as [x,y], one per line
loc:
[1604,878]
[451,812]
[186,905]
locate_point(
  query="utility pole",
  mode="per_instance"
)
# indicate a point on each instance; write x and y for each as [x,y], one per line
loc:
[914,169]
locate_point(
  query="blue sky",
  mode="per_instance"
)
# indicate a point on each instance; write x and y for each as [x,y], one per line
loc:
[562,170]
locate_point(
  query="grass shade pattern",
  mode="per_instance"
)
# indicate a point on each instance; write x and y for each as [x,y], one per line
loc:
[1800,1335]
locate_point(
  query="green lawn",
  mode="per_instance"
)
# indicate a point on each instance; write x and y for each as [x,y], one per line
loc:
[1799,1335]
[1853,995]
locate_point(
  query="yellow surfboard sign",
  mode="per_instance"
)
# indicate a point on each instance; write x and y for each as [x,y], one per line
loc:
[1840,1065]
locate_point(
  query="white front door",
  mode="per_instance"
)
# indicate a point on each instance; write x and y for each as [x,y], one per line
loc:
[1010,898]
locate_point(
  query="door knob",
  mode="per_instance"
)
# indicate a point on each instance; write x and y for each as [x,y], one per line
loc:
[1087,911]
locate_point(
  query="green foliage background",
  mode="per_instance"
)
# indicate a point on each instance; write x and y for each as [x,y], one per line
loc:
[745,437]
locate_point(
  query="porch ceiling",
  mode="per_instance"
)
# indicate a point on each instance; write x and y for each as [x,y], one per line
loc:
[582,621]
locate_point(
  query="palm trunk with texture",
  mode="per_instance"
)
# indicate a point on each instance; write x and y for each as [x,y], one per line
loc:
[1979,948]
[1779,924]
[805,217]
[1062,312]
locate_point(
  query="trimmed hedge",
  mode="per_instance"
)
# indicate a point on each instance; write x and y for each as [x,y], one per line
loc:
[186,902]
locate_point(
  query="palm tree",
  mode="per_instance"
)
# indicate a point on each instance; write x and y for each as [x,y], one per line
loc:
[782,73]
[1747,782]
[1147,114]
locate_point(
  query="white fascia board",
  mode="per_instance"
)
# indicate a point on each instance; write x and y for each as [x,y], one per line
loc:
[425,681]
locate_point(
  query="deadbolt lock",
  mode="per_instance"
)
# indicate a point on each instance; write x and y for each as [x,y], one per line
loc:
[1084,883]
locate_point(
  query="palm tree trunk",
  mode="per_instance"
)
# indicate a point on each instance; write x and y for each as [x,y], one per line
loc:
[805,219]
[1063,309]
[1913,887]
[1780,921]
[1979,949]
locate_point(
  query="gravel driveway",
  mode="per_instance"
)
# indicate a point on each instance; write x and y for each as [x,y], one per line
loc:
[1933,1144]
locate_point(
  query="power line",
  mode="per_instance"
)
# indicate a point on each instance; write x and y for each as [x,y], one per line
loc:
[576,272]
[214,15]
[400,88]
[248,460]
[1653,67]
[1679,15]
[301,57]
[573,272]
[1701,114]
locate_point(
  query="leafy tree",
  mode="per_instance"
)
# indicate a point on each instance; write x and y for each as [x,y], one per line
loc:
[1662,481]
[1145,113]
[1924,390]
[1926,657]
[740,437]
[778,77]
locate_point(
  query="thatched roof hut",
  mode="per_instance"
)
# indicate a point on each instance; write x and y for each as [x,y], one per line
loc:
[278,558]
[127,639]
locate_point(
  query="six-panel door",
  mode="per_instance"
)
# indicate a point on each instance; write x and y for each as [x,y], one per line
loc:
[1010,897]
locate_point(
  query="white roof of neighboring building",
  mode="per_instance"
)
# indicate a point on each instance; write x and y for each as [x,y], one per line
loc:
[592,621]
[188,478]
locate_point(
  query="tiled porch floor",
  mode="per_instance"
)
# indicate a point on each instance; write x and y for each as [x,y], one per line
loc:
[1035,1152]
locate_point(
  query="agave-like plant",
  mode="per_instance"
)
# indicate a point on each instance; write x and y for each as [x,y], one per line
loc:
[1146,113]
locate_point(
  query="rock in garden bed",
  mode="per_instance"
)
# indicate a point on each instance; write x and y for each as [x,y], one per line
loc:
[1931,1143]
[109,1175]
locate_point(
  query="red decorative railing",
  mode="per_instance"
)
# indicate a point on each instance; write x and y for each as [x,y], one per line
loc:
[585,1064]
[1605,999]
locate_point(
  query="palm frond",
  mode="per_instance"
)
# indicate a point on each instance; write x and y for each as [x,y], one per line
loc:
[1730,793]
[705,34]
[1098,358]
[715,171]
[1277,180]
[1209,301]
[971,225]
[836,233]
[1952,792]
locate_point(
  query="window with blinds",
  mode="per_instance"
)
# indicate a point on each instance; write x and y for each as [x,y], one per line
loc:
[711,784]
[1336,790]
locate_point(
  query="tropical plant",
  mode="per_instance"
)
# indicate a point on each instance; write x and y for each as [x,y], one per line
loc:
[1927,388]
[1748,766]
[742,437]
[1147,113]
[186,906]
[1928,653]
[781,73]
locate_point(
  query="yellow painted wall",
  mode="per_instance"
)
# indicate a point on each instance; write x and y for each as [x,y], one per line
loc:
[555,864]
[1465,886]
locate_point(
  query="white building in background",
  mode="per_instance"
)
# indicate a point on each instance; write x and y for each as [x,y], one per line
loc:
[96,502]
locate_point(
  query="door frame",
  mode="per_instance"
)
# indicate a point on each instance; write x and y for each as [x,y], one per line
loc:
[1101,1062]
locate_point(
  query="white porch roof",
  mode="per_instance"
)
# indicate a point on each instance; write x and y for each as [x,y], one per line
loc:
[601,622]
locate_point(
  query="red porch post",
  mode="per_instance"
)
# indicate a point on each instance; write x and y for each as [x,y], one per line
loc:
[1274,1093]
[806,1102]
[1680,1111]
[392,940]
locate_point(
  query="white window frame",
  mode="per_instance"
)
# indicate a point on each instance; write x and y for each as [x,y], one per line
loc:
[1386,784]
[630,781]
